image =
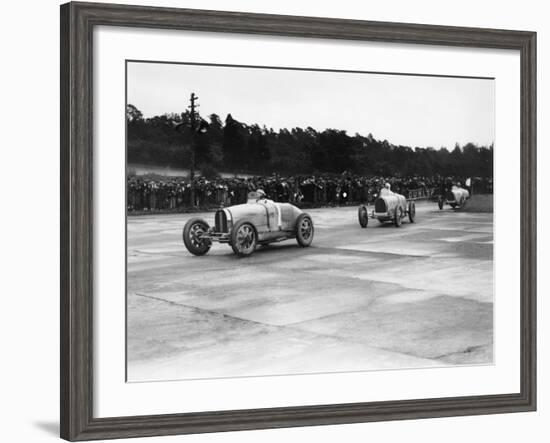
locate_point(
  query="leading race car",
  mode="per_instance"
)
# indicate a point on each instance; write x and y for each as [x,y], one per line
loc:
[456,197]
[388,207]
[258,222]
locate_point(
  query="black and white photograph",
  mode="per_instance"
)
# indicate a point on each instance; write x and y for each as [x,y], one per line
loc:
[286,221]
[266,222]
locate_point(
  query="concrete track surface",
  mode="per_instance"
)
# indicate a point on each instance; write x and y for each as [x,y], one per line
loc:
[358,299]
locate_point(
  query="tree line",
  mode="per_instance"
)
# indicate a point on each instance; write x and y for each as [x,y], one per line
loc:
[237,147]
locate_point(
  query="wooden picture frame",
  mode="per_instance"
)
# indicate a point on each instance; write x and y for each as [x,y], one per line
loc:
[77,23]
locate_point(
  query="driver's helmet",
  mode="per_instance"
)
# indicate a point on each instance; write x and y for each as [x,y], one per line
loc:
[260,194]
[387,186]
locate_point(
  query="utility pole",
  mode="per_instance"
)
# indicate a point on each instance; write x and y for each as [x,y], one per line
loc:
[192,107]
[197,126]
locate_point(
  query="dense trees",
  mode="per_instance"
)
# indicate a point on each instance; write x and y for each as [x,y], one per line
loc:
[233,146]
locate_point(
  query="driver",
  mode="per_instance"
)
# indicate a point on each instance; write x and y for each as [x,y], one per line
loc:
[386,190]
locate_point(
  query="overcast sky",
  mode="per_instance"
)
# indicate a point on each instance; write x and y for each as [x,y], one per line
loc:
[407,110]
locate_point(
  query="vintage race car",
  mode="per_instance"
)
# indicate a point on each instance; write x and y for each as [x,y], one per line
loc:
[388,207]
[258,222]
[456,197]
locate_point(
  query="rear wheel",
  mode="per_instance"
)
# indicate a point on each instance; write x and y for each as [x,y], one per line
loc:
[243,238]
[363,216]
[304,230]
[193,233]
[412,211]
[453,205]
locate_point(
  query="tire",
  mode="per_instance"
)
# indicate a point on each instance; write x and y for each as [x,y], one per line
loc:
[304,230]
[398,219]
[363,216]
[412,211]
[244,238]
[453,205]
[192,231]
[440,203]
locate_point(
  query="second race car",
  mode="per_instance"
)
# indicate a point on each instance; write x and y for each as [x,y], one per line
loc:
[388,207]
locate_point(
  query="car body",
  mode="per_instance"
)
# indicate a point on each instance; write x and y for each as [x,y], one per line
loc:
[456,197]
[260,221]
[388,207]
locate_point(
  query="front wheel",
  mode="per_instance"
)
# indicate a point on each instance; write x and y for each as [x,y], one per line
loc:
[363,216]
[440,203]
[398,217]
[412,211]
[243,238]
[193,233]
[304,230]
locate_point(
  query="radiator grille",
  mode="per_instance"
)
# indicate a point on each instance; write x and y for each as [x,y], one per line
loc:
[221,221]
[450,196]
[380,205]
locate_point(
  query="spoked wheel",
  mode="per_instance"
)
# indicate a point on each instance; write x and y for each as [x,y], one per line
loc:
[193,236]
[412,211]
[243,238]
[398,219]
[363,216]
[304,230]
[440,203]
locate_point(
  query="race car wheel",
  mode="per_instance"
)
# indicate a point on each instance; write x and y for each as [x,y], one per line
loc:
[440,203]
[243,238]
[193,233]
[453,205]
[398,217]
[363,216]
[304,230]
[412,212]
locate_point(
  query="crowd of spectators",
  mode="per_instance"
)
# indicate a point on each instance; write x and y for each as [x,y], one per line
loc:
[179,194]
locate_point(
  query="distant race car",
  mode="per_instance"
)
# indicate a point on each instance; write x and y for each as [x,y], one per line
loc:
[388,207]
[456,197]
[258,222]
